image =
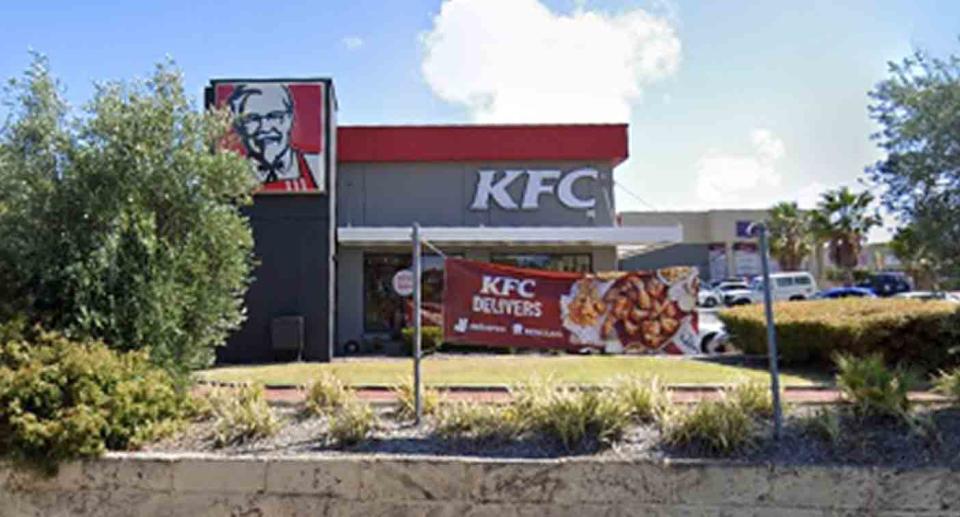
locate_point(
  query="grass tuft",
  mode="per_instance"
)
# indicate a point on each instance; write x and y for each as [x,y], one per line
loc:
[872,387]
[477,421]
[327,393]
[947,383]
[242,415]
[645,398]
[352,423]
[719,426]
[407,408]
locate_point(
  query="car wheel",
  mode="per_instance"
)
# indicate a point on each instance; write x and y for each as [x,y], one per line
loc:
[797,298]
[710,303]
[714,343]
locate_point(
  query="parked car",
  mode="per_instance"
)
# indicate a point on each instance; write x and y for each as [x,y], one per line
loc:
[790,285]
[887,283]
[845,292]
[929,295]
[708,298]
[727,290]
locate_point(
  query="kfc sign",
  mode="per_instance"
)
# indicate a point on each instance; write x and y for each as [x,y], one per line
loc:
[492,185]
[279,127]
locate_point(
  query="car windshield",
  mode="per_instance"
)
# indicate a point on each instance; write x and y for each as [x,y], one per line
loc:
[731,287]
[756,284]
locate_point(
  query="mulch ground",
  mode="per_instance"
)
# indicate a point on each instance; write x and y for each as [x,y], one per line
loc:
[932,439]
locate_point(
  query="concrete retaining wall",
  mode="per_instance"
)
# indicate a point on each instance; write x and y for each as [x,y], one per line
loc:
[143,485]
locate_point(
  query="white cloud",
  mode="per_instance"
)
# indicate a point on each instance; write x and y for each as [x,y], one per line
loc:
[516,61]
[352,42]
[733,179]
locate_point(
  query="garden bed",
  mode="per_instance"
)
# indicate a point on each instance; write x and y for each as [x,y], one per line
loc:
[874,441]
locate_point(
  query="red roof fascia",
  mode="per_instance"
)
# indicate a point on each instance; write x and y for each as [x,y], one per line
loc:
[605,142]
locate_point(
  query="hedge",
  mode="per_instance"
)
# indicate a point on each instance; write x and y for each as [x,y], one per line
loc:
[62,399]
[916,333]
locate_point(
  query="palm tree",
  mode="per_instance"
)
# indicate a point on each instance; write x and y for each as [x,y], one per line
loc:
[790,235]
[842,220]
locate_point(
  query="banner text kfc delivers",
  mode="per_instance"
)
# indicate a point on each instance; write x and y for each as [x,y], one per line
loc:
[635,312]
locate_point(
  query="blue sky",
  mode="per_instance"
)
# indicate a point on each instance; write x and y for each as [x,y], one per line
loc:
[730,104]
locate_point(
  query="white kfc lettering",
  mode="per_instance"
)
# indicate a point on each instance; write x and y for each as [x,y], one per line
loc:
[565,189]
[535,187]
[487,188]
[538,182]
[504,286]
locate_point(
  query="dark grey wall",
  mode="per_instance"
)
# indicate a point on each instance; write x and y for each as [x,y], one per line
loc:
[292,246]
[440,194]
[673,255]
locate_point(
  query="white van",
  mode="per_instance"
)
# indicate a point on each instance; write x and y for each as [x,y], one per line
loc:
[792,285]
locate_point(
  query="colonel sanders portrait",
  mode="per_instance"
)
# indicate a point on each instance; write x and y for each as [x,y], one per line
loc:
[264,119]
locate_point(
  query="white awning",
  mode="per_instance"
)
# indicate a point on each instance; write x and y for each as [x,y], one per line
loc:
[512,236]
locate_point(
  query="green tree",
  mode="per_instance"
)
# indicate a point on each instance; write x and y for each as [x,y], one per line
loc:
[790,235]
[918,109]
[123,224]
[915,256]
[842,220]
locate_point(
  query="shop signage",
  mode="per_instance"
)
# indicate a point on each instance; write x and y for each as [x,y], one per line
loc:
[279,127]
[743,229]
[403,282]
[634,312]
[746,259]
[492,185]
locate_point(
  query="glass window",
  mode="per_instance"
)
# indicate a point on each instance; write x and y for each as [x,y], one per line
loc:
[802,280]
[574,262]
[784,281]
[385,310]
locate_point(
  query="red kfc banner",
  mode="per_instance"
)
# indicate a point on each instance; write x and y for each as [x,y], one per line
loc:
[632,312]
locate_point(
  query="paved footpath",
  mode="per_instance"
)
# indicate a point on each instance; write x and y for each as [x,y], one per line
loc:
[685,394]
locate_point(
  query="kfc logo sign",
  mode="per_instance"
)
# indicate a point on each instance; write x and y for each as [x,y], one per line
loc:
[493,185]
[505,286]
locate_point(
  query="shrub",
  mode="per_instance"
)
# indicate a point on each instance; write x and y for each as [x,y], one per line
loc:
[431,339]
[406,399]
[241,415]
[754,397]
[326,393]
[872,387]
[478,421]
[570,415]
[63,399]
[644,399]
[909,331]
[947,383]
[351,423]
[138,239]
[716,426]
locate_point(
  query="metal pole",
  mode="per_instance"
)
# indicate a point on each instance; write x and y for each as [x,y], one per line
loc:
[771,331]
[417,330]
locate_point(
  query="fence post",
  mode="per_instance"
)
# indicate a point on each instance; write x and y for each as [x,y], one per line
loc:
[761,230]
[417,330]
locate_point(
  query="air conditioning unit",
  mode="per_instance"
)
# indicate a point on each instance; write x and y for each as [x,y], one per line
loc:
[286,334]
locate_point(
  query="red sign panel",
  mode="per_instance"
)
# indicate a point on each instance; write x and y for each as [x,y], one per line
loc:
[279,127]
[635,312]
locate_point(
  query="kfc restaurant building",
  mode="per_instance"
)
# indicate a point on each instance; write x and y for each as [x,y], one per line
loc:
[332,234]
